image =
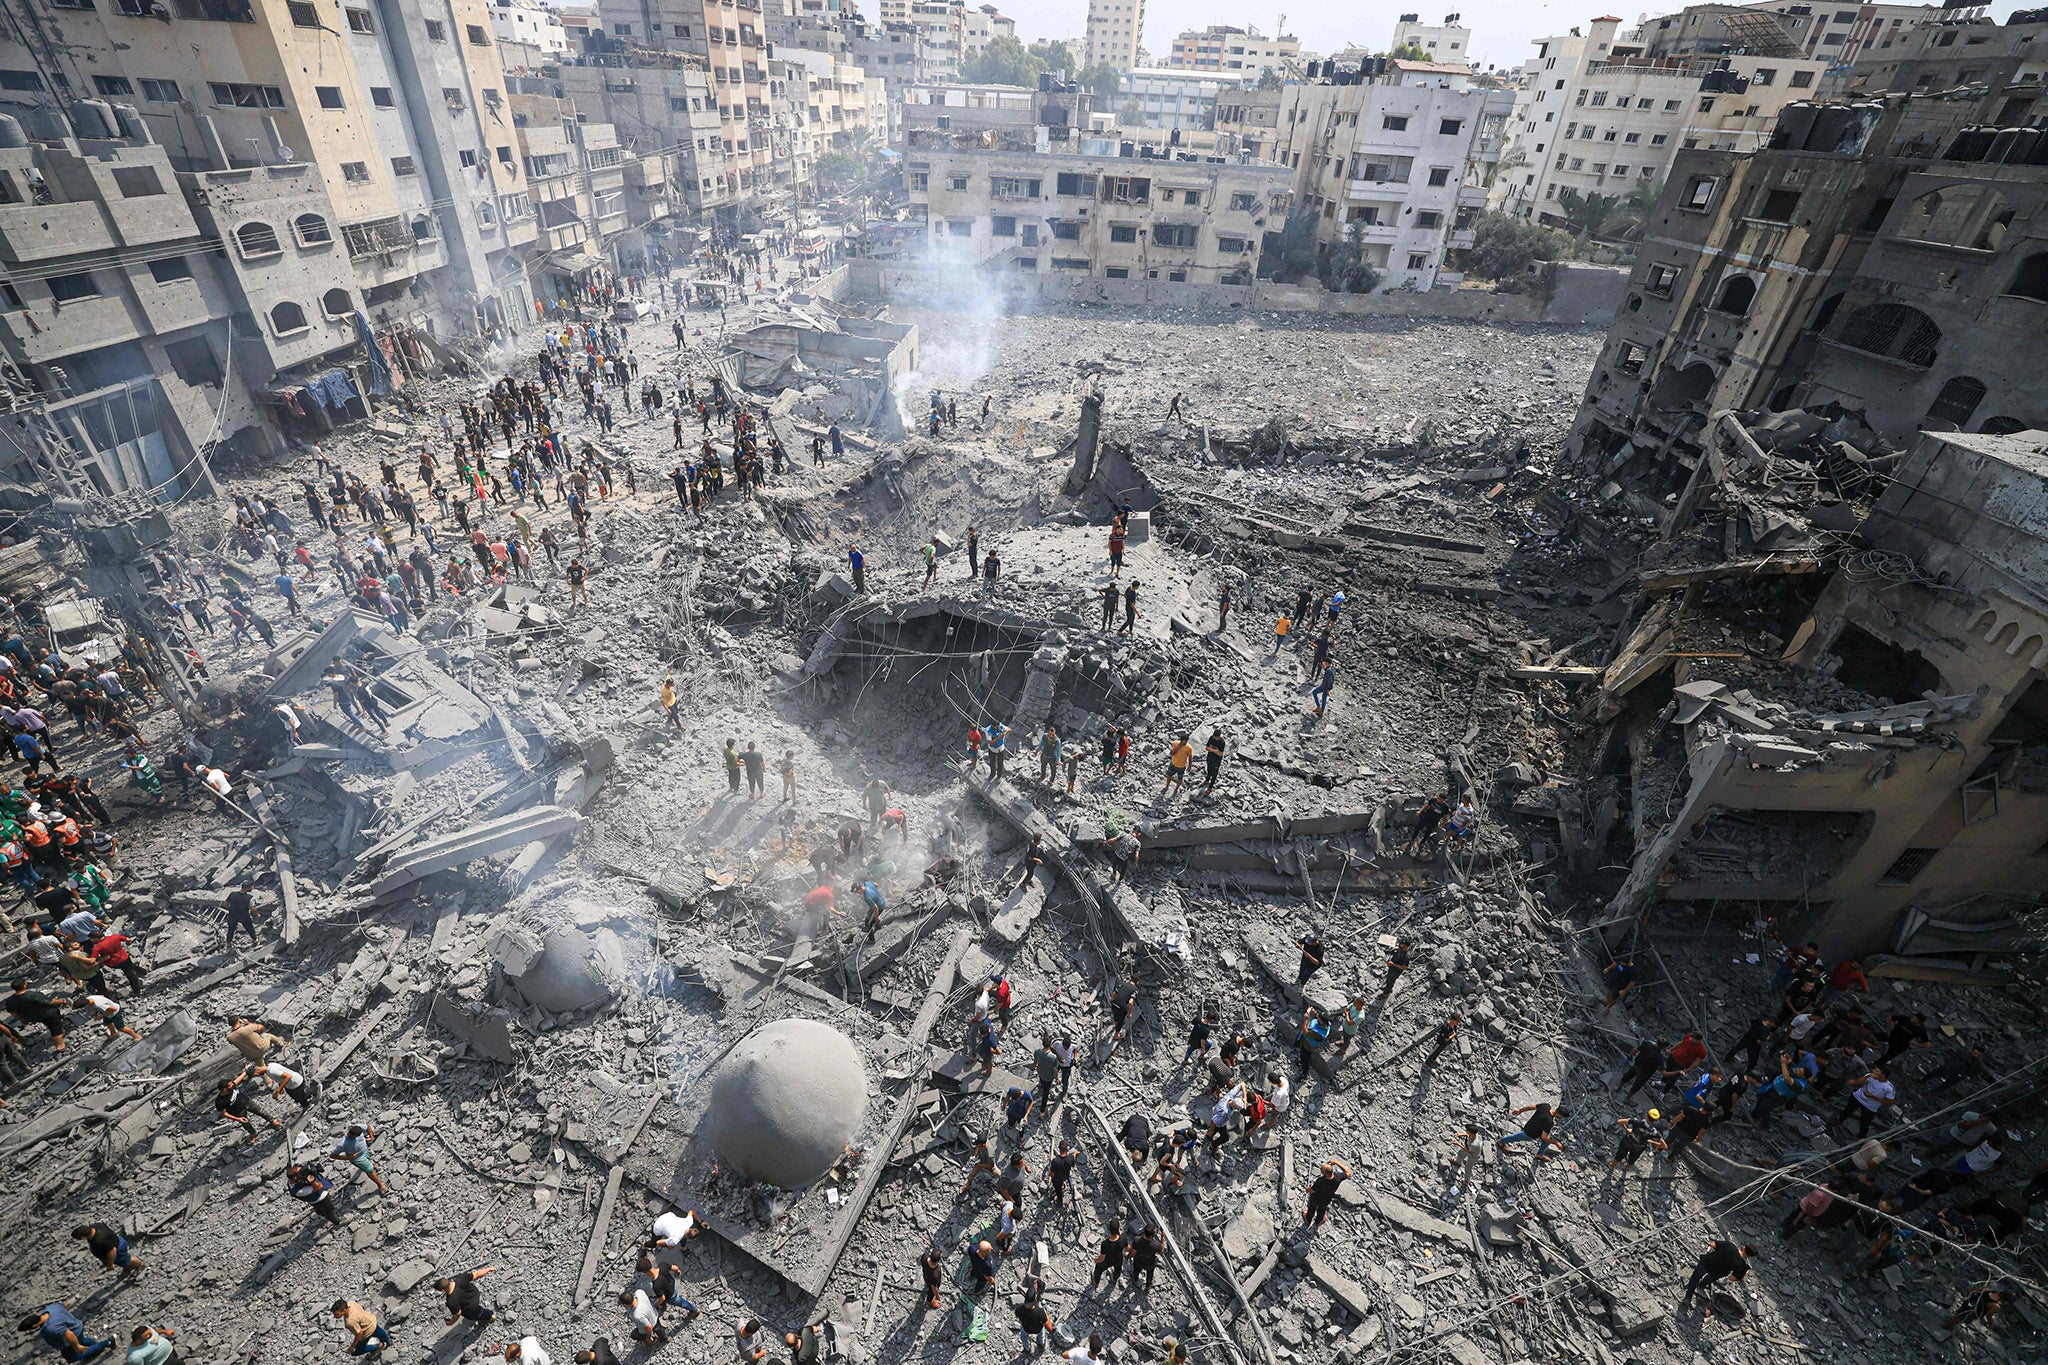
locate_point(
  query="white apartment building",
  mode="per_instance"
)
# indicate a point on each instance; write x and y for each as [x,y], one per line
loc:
[1169,98]
[1599,116]
[1234,51]
[1116,30]
[535,26]
[1449,41]
[983,26]
[1183,220]
[1393,164]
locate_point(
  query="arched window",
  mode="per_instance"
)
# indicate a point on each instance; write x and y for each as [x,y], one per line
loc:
[336,303]
[2030,281]
[1894,331]
[312,230]
[1957,401]
[1737,293]
[287,317]
[2002,426]
[257,239]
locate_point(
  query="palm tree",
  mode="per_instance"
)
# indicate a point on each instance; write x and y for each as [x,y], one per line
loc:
[1587,213]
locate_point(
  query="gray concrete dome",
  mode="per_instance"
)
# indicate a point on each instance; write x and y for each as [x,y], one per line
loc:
[787,1100]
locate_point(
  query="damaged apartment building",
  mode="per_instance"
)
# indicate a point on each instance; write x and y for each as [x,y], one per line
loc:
[1821,396]
[205,203]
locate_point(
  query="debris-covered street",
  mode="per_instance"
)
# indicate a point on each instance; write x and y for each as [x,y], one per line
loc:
[650,861]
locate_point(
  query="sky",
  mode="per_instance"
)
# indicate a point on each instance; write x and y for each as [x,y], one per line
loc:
[1502,30]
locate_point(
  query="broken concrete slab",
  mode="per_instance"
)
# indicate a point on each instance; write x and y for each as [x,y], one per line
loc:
[1345,1290]
[1405,1215]
[478,841]
[491,1032]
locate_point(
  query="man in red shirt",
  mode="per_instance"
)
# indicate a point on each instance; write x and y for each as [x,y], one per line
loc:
[1847,976]
[112,951]
[1688,1053]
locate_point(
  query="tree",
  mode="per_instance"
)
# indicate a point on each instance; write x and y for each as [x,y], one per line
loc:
[1054,57]
[1639,204]
[1270,79]
[1587,213]
[1410,52]
[1132,115]
[1297,247]
[1102,80]
[1345,269]
[1505,246]
[1005,61]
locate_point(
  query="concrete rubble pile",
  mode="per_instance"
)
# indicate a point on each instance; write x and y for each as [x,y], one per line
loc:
[541,935]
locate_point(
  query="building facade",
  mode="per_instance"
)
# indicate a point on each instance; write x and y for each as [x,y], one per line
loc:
[1163,97]
[1115,34]
[1235,52]
[1093,212]
[1450,41]
[1395,164]
[1596,115]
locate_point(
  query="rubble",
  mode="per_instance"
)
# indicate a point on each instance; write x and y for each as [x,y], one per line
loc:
[575,983]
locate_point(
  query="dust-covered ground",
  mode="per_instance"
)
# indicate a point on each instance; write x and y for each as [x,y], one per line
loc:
[1404,463]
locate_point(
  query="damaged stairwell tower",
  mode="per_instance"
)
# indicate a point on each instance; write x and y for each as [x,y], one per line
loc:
[1087,441]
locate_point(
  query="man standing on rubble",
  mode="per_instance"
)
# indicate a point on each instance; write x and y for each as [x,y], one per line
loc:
[858,564]
[756,764]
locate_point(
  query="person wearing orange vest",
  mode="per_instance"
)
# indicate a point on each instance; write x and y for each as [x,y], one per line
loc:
[15,856]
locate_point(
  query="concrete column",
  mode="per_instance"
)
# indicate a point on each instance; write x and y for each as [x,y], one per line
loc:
[1086,443]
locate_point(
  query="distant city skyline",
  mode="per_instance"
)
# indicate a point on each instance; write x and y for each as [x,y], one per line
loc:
[1501,32]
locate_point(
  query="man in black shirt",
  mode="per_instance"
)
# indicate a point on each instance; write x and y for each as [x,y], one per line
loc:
[462,1298]
[599,1353]
[1536,1128]
[1033,1323]
[239,904]
[108,1247]
[33,1007]
[1684,1131]
[803,1346]
[1907,1031]
[1312,953]
[1445,1033]
[1634,1142]
[1060,1170]
[1109,1260]
[1122,1001]
[934,1276]
[1723,1260]
[1145,1254]
[1642,1064]
[1322,1190]
[1397,963]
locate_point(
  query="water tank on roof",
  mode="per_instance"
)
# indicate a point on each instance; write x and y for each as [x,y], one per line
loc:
[130,120]
[1970,144]
[11,134]
[2002,143]
[1795,125]
[94,119]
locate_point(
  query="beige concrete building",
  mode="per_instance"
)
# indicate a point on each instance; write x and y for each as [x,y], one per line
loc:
[357,170]
[1598,115]
[1115,34]
[1092,212]
[1243,52]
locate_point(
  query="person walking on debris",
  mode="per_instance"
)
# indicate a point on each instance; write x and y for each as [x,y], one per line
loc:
[1398,962]
[1213,758]
[1108,594]
[463,1301]
[108,1247]
[1130,607]
[1173,410]
[1322,1191]
[1117,535]
[1536,1128]
[858,563]
[1177,759]
[1620,979]
[1721,1261]
[933,1272]
[354,1148]
[1446,1033]
[1325,688]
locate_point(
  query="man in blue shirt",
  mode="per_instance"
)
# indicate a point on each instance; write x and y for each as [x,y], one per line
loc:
[858,562]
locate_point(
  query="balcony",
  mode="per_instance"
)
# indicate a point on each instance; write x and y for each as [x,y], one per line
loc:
[48,232]
[1372,232]
[1460,241]
[1375,189]
[46,334]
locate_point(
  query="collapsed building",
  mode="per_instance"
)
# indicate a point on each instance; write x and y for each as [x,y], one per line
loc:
[1845,729]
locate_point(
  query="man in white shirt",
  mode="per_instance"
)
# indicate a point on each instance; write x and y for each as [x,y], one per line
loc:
[1089,1351]
[528,1351]
[647,1328]
[1868,1100]
[673,1229]
[289,1082]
